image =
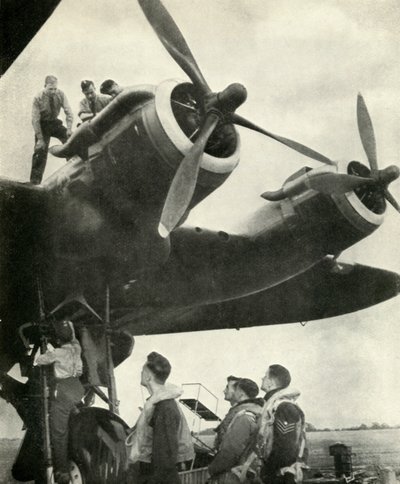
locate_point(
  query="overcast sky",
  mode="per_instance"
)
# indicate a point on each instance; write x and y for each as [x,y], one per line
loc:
[303,63]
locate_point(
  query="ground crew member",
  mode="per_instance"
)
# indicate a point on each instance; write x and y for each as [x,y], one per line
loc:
[68,393]
[111,88]
[92,103]
[45,111]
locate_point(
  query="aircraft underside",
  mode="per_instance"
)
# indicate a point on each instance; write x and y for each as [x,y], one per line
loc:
[103,242]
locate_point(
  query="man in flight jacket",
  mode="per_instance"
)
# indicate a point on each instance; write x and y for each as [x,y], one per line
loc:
[165,439]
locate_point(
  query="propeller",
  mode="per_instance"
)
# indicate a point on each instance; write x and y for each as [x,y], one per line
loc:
[330,183]
[184,183]
[217,107]
[221,106]
[304,150]
[337,183]
[382,178]
[367,134]
[173,40]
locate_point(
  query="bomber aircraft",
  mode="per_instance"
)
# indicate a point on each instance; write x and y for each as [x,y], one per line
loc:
[103,242]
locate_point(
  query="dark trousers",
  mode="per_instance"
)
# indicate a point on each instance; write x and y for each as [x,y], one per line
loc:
[287,478]
[50,129]
[69,393]
[144,473]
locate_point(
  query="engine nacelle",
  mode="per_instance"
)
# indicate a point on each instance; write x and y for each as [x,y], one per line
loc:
[338,220]
[131,151]
[138,141]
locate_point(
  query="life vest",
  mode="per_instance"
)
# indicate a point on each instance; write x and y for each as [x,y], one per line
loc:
[140,441]
[249,471]
[231,417]
[252,412]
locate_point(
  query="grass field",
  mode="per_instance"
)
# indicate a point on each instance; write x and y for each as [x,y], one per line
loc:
[370,448]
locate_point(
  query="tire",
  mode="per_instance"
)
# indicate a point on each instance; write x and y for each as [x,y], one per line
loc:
[97,446]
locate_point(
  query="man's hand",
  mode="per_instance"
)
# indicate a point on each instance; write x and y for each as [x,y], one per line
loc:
[86,116]
[40,145]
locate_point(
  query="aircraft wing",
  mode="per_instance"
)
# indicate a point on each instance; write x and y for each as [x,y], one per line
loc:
[328,289]
[20,21]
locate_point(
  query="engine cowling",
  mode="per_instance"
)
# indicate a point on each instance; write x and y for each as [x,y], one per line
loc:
[339,220]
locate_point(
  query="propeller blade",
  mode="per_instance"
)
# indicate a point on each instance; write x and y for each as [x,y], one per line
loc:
[184,183]
[287,142]
[390,198]
[367,134]
[337,183]
[326,182]
[173,40]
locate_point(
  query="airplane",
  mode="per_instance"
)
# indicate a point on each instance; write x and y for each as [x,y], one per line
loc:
[103,242]
[24,14]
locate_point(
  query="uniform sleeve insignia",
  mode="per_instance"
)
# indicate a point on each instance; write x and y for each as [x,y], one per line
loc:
[250,414]
[284,427]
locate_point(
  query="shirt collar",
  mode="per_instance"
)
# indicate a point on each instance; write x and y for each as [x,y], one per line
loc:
[269,394]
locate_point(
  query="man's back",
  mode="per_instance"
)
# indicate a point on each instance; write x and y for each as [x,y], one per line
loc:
[165,423]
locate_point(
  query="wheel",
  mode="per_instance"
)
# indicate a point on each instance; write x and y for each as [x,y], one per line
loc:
[76,476]
[97,446]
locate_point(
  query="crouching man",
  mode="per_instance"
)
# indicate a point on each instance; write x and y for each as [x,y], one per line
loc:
[239,437]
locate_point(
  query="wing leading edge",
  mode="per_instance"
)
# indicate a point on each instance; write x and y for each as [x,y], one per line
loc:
[328,289]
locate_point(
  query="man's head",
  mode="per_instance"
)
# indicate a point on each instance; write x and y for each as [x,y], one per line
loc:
[50,85]
[277,376]
[88,90]
[64,332]
[156,370]
[110,87]
[229,391]
[245,389]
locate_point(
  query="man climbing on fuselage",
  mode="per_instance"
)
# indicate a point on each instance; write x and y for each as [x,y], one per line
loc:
[68,392]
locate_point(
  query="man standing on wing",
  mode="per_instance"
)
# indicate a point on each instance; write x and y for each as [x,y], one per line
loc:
[111,88]
[92,103]
[45,111]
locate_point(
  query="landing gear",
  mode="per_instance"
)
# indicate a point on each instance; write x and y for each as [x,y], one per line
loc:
[96,449]
[75,473]
[96,446]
